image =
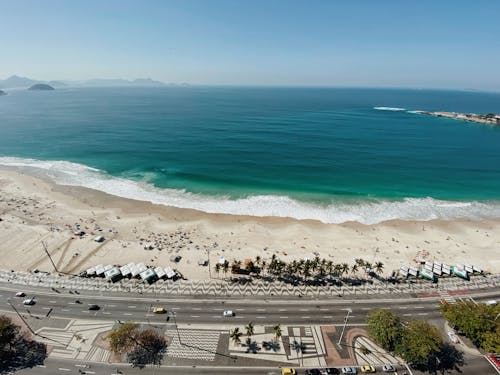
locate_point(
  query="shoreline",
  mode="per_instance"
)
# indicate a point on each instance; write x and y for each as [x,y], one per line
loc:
[490,119]
[34,210]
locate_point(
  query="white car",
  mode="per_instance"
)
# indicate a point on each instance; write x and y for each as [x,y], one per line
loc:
[20,294]
[453,338]
[227,313]
[349,370]
[389,368]
[29,302]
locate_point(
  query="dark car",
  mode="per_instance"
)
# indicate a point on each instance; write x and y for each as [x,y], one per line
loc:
[94,307]
[332,370]
[313,371]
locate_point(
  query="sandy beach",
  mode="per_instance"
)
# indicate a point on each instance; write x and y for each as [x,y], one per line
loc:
[33,210]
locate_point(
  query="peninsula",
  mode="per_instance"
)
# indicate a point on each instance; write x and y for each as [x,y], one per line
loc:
[488,119]
[41,87]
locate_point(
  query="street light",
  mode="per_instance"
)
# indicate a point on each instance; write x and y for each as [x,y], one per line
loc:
[345,323]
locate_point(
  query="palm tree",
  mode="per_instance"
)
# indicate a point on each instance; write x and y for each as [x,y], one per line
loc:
[277,331]
[257,260]
[379,267]
[235,335]
[344,268]
[250,331]
[354,268]
[217,268]
[330,267]
[236,266]
[225,267]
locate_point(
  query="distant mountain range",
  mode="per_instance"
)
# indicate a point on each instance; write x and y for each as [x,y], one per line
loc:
[21,82]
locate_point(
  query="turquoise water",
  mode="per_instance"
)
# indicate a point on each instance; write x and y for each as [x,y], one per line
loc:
[324,154]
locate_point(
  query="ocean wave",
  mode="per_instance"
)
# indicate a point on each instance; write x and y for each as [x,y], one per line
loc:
[415,112]
[389,109]
[419,209]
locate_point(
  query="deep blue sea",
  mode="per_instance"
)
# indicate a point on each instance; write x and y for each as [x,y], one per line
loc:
[329,154]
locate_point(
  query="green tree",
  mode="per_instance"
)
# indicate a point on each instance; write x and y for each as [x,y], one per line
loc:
[384,328]
[121,339]
[476,321]
[17,350]
[379,267]
[235,335]
[149,348]
[420,343]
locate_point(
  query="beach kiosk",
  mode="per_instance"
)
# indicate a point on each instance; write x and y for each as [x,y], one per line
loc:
[99,270]
[170,273]
[125,271]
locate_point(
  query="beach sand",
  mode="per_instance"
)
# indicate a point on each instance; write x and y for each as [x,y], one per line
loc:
[33,210]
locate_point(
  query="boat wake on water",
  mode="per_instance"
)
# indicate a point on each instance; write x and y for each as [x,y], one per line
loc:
[389,109]
[366,212]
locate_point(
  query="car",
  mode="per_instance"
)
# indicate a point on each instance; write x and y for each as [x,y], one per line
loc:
[29,302]
[159,310]
[453,338]
[227,313]
[93,306]
[349,370]
[367,368]
[313,371]
[20,294]
[491,302]
[288,371]
[332,370]
[389,368]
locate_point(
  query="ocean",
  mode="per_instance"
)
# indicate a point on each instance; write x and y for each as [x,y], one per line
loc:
[329,154]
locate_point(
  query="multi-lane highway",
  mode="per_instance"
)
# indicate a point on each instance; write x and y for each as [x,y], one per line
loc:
[139,308]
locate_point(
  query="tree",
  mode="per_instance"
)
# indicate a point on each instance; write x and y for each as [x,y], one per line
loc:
[277,331]
[379,267]
[225,267]
[121,339]
[476,321]
[384,328]
[250,331]
[235,335]
[420,343]
[149,349]
[17,350]
[217,268]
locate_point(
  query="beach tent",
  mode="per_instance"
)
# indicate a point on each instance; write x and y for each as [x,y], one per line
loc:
[413,271]
[141,267]
[477,269]
[428,275]
[160,272]
[99,270]
[125,271]
[134,271]
[460,272]
[91,271]
[169,272]
[468,268]
[108,267]
[148,275]
[113,274]
[99,239]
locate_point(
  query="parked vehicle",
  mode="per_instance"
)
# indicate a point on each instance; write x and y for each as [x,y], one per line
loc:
[313,371]
[228,313]
[20,294]
[349,370]
[159,310]
[367,368]
[288,371]
[453,338]
[332,370]
[389,368]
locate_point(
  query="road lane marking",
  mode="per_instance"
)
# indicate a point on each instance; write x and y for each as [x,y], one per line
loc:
[46,308]
[132,307]
[260,317]
[175,308]
[407,314]
[403,307]
[111,305]
[305,317]
[106,313]
[66,310]
[261,309]
[423,314]
[63,369]
[128,314]
[283,317]
[303,309]
[419,307]
[366,308]
[195,316]
[198,308]
[282,310]
[42,366]
[328,316]
[324,309]
[49,301]
[216,316]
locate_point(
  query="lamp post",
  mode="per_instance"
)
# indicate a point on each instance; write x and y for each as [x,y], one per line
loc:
[343,328]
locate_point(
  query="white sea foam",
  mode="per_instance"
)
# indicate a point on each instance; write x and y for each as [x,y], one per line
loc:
[415,112]
[422,209]
[389,109]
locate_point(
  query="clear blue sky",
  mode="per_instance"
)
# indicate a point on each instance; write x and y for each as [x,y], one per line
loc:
[424,43]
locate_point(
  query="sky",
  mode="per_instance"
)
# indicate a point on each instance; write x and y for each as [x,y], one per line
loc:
[386,43]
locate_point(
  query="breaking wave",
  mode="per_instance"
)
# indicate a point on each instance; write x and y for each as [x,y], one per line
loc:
[389,109]
[420,209]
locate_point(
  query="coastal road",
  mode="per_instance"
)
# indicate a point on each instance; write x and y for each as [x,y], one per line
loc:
[474,366]
[209,310]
